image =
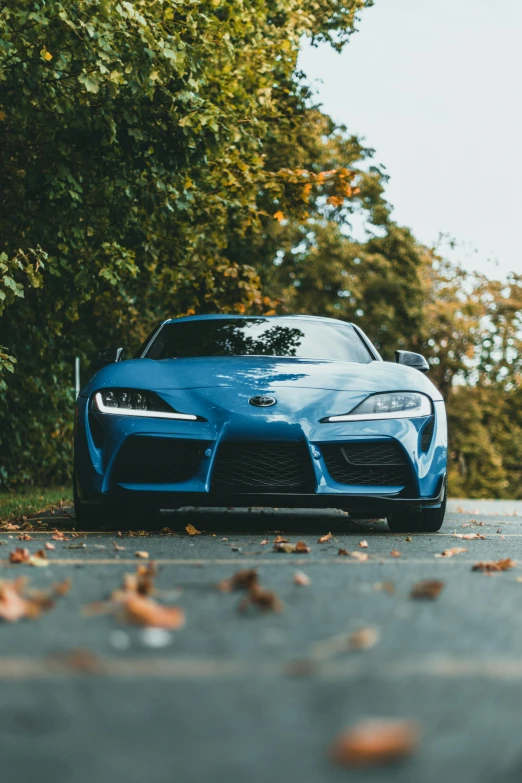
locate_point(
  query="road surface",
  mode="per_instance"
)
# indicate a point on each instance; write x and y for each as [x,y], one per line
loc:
[235,697]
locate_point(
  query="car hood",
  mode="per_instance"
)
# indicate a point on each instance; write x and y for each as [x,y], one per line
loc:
[260,374]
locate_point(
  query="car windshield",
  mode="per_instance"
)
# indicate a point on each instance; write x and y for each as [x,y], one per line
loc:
[293,337]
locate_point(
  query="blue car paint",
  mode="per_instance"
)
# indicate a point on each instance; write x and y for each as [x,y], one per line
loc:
[218,389]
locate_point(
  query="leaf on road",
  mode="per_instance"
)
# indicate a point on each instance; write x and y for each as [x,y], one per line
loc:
[49,546]
[363,638]
[39,559]
[387,587]
[191,530]
[118,548]
[58,535]
[264,541]
[363,545]
[142,554]
[241,580]
[25,537]
[481,524]
[266,600]
[280,540]
[19,555]
[373,742]
[9,526]
[408,539]
[455,550]
[300,548]
[360,556]
[302,579]
[141,610]
[490,566]
[427,589]
[325,538]
[343,552]
[18,601]
[395,553]
[469,536]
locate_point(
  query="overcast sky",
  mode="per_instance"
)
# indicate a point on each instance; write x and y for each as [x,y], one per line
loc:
[435,87]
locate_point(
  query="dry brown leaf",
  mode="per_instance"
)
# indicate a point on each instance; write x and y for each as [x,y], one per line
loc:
[325,538]
[280,540]
[299,548]
[373,742]
[302,579]
[302,547]
[265,541]
[25,537]
[241,580]
[427,589]
[141,610]
[62,588]
[10,526]
[19,555]
[17,601]
[39,559]
[455,550]
[469,536]
[266,600]
[363,545]
[118,548]
[489,566]
[343,552]
[191,530]
[142,554]
[58,535]
[395,553]
[408,539]
[49,546]
[481,524]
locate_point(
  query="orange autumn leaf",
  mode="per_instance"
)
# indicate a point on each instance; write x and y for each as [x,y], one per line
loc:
[325,538]
[373,742]
[191,530]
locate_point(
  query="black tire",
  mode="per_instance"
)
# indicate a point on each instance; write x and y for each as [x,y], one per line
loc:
[429,520]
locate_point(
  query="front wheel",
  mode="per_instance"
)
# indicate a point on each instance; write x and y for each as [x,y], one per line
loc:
[428,520]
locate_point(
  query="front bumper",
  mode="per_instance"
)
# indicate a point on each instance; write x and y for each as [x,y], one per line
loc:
[97,478]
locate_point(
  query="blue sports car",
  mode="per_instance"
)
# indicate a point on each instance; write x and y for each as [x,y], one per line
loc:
[284,411]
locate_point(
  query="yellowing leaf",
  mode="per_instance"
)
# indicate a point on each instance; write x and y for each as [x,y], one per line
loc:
[191,530]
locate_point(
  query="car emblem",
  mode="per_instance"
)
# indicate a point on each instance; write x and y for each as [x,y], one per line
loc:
[263,401]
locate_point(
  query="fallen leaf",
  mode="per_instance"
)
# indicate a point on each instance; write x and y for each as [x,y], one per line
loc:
[241,580]
[265,541]
[474,522]
[19,555]
[373,742]
[267,600]
[25,537]
[49,546]
[280,540]
[467,524]
[10,526]
[142,554]
[77,546]
[118,548]
[287,548]
[141,610]
[469,536]
[39,559]
[302,547]
[427,589]
[490,566]
[499,530]
[343,552]
[395,553]
[456,550]
[325,538]
[408,539]
[63,587]
[363,545]
[18,601]
[59,536]
[301,579]
[191,530]
[363,638]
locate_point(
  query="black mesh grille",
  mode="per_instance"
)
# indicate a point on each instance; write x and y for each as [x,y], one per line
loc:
[427,434]
[374,463]
[263,467]
[147,460]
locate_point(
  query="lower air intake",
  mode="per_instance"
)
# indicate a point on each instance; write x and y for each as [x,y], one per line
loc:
[148,460]
[263,467]
[377,463]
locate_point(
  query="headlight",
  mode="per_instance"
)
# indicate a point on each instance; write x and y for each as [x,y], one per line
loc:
[135,402]
[393,405]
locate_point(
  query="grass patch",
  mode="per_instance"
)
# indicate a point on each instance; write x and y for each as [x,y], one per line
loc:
[31,500]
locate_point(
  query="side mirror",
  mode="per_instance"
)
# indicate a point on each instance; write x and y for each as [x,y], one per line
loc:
[410,359]
[109,356]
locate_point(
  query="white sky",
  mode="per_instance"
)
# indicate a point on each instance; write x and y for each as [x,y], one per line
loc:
[434,87]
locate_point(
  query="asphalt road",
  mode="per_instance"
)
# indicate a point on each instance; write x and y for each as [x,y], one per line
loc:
[260,696]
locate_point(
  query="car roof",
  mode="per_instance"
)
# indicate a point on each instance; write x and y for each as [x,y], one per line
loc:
[216,316]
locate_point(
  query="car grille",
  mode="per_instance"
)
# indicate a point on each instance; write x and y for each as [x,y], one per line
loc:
[427,434]
[263,467]
[146,460]
[375,463]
